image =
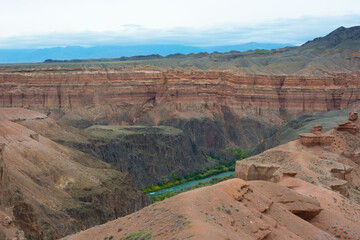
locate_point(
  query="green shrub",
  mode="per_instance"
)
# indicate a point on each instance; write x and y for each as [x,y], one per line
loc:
[137,236]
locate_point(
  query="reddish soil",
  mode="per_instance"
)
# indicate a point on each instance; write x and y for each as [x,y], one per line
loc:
[236,209]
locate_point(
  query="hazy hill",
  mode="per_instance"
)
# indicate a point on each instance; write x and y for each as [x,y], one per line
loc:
[338,51]
[78,52]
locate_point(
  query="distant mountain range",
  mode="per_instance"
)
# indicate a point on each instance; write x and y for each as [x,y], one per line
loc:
[78,52]
[339,51]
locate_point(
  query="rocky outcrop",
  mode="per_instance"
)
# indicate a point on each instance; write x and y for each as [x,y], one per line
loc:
[297,204]
[347,126]
[316,138]
[341,187]
[317,129]
[334,165]
[310,139]
[342,173]
[353,116]
[256,171]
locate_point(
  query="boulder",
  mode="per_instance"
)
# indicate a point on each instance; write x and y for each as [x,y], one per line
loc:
[341,187]
[342,173]
[353,116]
[290,174]
[311,139]
[317,129]
[347,126]
[256,171]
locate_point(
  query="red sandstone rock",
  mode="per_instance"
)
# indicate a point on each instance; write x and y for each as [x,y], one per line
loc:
[353,116]
[289,174]
[74,89]
[256,171]
[310,139]
[334,167]
[317,129]
[347,126]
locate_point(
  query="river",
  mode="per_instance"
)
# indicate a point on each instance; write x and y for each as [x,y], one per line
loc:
[189,184]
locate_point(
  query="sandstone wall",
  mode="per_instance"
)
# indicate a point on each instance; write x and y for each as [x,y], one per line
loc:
[69,89]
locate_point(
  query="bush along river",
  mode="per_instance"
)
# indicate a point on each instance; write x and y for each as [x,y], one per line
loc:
[208,177]
[169,192]
[189,184]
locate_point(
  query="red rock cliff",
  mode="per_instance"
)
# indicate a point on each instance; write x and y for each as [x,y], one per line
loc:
[263,95]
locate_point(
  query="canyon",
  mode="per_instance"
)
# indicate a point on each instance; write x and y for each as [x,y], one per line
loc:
[129,95]
[213,110]
[304,189]
[78,139]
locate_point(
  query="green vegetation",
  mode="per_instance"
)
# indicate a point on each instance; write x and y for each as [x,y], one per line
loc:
[159,198]
[195,176]
[114,131]
[137,236]
[238,154]
[223,167]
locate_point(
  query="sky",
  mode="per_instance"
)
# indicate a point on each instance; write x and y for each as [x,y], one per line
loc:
[50,23]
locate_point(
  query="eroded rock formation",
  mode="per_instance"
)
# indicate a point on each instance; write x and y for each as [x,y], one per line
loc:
[347,126]
[316,138]
[333,164]
[128,94]
[256,171]
[353,116]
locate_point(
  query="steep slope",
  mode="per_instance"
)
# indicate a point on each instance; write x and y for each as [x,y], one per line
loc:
[332,164]
[340,38]
[150,154]
[236,209]
[301,124]
[51,190]
[83,97]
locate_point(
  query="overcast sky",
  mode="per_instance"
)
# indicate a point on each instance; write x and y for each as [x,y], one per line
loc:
[45,23]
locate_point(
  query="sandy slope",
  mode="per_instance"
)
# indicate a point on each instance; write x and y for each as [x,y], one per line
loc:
[236,209]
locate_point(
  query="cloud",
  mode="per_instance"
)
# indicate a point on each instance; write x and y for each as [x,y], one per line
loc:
[293,31]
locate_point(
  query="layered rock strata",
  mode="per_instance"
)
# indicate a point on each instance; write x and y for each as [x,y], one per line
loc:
[129,93]
[316,138]
[256,171]
[347,126]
